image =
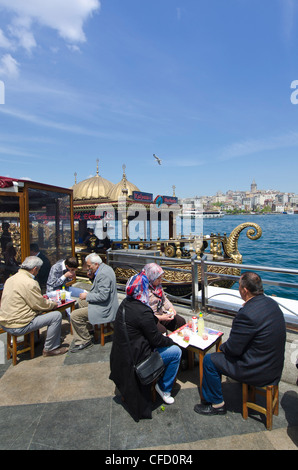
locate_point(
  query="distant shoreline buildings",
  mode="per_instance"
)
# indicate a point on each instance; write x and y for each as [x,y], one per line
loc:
[255,200]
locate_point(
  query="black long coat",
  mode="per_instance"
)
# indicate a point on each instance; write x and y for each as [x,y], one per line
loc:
[44,271]
[254,352]
[144,337]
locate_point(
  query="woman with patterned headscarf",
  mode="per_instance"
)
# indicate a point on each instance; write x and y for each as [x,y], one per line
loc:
[144,337]
[163,309]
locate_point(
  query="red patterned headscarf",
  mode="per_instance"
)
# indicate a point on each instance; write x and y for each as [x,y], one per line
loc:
[138,287]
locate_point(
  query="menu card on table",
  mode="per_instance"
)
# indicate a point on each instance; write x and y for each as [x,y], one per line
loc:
[67,301]
[184,337]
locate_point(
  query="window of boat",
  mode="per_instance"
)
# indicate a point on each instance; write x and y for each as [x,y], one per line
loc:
[10,237]
[50,222]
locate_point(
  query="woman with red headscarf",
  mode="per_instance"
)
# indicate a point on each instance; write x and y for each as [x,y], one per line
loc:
[144,337]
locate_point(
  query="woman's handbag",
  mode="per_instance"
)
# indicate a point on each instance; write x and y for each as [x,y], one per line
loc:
[151,368]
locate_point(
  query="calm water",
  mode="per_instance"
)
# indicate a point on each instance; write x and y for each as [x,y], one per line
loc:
[277,247]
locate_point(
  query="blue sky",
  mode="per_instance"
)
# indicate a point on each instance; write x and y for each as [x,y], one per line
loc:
[203,84]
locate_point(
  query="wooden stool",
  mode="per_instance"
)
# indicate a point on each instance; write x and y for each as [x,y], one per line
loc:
[27,345]
[101,329]
[270,392]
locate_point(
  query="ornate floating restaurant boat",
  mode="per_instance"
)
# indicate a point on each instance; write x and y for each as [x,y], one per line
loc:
[100,204]
[217,247]
[172,252]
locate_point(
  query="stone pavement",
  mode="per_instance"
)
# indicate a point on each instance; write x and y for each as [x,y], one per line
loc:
[68,402]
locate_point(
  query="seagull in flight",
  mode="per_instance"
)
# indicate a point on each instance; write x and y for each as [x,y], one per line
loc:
[158,159]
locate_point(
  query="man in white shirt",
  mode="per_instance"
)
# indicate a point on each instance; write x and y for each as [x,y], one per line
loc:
[62,272]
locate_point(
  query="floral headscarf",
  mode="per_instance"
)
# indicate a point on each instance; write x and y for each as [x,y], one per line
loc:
[153,271]
[138,287]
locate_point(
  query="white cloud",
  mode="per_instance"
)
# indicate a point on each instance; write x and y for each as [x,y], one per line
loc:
[20,29]
[9,67]
[250,147]
[67,17]
[51,124]
[185,162]
[73,48]
[5,43]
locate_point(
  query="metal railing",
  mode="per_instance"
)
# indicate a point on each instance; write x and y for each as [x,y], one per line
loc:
[137,261]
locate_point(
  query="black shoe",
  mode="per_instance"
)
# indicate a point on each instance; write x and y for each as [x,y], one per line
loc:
[80,347]
[208,409]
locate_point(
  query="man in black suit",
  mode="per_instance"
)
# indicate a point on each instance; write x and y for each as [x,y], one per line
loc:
[254,352]
[43,274]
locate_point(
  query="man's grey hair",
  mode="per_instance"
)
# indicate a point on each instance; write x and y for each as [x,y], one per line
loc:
[94,258]
[31,262]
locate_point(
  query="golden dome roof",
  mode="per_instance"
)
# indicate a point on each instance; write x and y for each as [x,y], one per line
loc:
[123,188]
[95,187]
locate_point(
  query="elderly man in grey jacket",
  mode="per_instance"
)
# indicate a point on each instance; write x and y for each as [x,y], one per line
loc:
[101,302]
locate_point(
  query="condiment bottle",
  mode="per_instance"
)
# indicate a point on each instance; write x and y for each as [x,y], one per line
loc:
[63,295]
[201,326]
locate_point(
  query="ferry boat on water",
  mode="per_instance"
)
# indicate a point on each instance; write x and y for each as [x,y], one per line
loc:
[194,213]
[289,212]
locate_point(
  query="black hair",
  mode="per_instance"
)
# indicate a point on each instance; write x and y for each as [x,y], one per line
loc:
[252,282]
[34,247]
[71,262]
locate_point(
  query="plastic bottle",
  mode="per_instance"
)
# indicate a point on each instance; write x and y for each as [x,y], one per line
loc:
[63,295]
[201,326]
[194,324]
[58,297]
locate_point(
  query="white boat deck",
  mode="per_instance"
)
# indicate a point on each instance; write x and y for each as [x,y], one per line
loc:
[229,299]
